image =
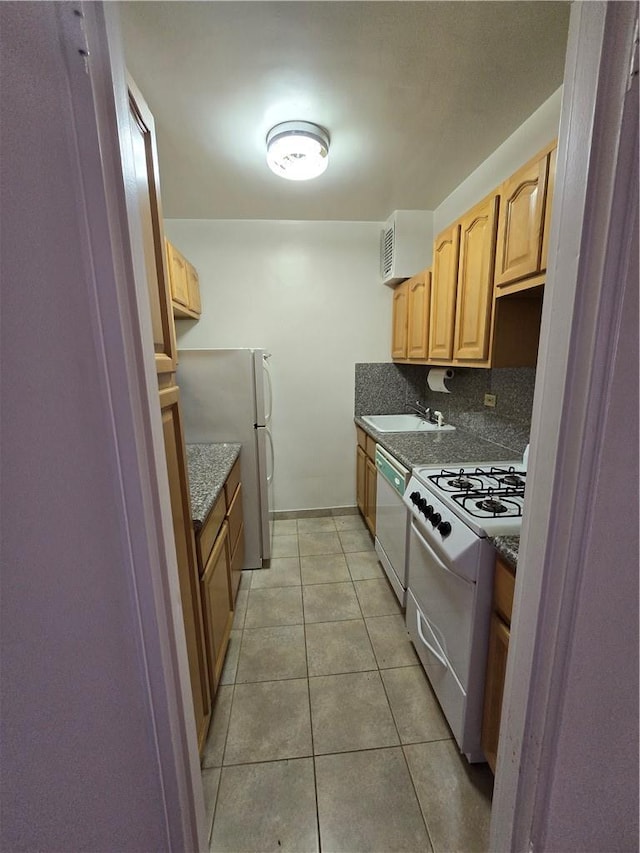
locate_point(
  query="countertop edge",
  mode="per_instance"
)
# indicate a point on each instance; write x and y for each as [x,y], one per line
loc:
[208,465]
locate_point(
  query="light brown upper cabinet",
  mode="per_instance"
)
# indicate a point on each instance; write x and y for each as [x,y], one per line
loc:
[525,210]
[443,293]
[419,290]
[185,284]
[474,299]
[400,320]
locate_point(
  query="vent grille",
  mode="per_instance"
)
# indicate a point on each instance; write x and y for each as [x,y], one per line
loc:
[388,244]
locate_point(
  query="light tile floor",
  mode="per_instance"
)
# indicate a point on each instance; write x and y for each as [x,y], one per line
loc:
[325,732]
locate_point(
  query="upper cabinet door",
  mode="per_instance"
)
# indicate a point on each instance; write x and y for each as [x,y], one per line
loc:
[400,319]
[551,185]
[521,221]
[419,294]
[194,289]
[145,158]
[475,281]
[178,275]
[443,293]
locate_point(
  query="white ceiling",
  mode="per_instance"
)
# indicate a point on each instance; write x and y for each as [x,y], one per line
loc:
[414,95]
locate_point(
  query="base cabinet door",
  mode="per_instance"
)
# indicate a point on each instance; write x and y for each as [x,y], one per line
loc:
[370,500]
[186,558]
[361,479]
[494,688]
[217,604]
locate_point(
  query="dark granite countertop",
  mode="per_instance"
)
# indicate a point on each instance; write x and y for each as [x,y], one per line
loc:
[507,547]
[439,448]
[448,448]
[209,466]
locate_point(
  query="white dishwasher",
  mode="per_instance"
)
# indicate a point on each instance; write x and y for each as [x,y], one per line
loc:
[392,521]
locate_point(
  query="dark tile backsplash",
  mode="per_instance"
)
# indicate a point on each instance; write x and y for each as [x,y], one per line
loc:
[389,388]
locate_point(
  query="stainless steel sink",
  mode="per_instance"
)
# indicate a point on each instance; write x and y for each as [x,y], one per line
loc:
[403,423]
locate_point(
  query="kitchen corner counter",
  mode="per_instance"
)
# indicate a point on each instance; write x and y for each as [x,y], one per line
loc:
[209,466]
[507,547]
[439,448]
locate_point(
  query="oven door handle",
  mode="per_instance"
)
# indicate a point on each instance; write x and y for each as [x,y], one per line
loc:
[426,642]
[431,551]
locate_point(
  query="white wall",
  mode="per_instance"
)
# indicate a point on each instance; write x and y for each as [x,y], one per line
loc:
[532,135]
[309,293]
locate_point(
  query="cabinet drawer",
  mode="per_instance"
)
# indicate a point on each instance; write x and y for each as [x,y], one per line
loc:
[361,436]
[234,517]
[231,484]
[504,582]
[210,530]
[371,448]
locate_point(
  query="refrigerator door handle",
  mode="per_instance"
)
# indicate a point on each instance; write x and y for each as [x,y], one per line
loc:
[272,455]
[268,407]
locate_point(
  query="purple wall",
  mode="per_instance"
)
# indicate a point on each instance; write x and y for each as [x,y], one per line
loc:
[78,759]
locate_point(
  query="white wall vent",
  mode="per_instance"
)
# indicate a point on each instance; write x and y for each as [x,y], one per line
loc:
[406,245]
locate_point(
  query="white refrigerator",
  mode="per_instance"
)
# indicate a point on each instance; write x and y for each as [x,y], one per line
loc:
[226,397]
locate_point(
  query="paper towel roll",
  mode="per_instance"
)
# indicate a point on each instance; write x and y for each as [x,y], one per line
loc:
[436,377]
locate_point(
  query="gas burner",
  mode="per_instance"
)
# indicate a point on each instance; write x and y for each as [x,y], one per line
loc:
[456,481]
[491,505]
[512,480]
[461,483]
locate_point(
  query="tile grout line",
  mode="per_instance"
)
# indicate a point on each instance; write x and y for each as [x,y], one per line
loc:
[226,736]
[313,757]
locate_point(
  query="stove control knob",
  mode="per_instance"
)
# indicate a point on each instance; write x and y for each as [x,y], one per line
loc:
[428,511]
[422,505]
[414,497]
[436,518]
[445,528]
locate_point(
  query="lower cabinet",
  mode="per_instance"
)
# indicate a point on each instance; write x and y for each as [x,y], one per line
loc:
[366,478]
[499,631]
[233,500]
[217,603]
[220,552]
[186,558]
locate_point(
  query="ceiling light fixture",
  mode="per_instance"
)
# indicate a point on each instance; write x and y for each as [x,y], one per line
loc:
[297,150]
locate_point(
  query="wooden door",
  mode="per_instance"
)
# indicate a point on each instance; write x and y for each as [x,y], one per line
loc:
[145,157]
[520,222]
[444,282]
[400,319]
[419,295]
[548,206]
[361,479]
[494,688]
[178,275]
[371,491]
[217,602]
[475,281]
[186,557]
[194,289]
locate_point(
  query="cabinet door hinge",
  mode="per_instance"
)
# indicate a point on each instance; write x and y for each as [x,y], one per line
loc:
[80,35]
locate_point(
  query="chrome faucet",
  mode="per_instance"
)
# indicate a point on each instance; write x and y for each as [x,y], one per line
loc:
[419,409]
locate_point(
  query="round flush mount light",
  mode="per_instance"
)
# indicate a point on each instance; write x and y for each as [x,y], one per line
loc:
[297,150]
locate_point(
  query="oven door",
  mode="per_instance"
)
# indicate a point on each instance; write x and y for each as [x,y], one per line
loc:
[446,601]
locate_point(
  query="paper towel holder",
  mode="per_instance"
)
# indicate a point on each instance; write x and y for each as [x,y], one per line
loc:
[436,378]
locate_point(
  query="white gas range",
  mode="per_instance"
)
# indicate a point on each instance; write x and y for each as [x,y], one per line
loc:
[450,578]
[487,497]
